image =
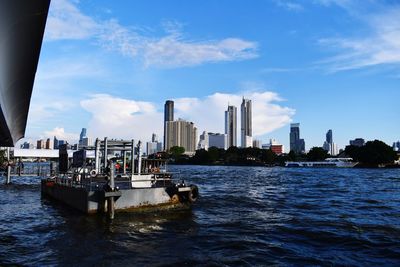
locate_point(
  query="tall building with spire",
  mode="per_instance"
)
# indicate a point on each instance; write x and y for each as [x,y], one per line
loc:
[246,123]
[168,116]
[231,126]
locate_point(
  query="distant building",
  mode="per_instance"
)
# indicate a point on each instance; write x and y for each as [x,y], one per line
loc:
[40,144]
[256,143]
[296,144]
[168,116]
[55,143]
[246,123]
[181,133]
[396,146]
[61,142]
[357,142]
[203,141]
[86,141]
[231,126]
[49,144]
[217,140]
[27,145]
[83,134]
[329,145]
[154,146]
[274,146]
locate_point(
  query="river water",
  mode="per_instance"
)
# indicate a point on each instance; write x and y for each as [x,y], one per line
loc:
[245,216]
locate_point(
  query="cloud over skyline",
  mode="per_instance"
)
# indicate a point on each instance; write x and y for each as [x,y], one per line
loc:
[116,117]
[172,50]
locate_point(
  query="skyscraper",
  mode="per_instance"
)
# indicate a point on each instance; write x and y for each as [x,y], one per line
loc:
[83,134]
[329,145]
[246,124]
[181,133]
[329,137]
[231,126]
[168,116]
[297,145]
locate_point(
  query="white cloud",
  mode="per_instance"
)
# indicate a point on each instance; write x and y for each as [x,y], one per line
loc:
[289,5]
[123,118]
[60,133]
[66,21]
[381,46]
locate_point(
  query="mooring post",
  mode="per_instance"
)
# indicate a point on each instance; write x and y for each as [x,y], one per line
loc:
[112,185]
[8,180]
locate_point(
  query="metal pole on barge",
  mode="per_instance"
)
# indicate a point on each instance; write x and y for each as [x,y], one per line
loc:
[111,199]
[8,180]
[97,155]
[105,151]
[133,158]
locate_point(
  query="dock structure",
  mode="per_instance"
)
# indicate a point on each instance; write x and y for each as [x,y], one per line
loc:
[118,179]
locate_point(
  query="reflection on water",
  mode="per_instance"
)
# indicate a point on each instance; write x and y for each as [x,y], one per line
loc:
[244,216]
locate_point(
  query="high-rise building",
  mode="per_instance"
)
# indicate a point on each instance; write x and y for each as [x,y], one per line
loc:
[154,138]
[154,146]
[55,143]
[83,134]
[246,123]
[27,145]
[217,140]
[49,144]
[168,116]
[329,145]
[297,145]
[203,141]
[40,144]
[256,143]
[396,146]
[329,137]
[81,137]
[86,141]
[357,142]
[231,126]
[181,133]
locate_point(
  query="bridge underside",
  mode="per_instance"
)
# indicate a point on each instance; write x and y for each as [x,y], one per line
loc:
[22,26]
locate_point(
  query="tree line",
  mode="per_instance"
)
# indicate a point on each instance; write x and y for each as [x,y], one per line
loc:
[372,154]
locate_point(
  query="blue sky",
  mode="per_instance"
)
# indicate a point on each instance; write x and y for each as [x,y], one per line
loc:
[110,65]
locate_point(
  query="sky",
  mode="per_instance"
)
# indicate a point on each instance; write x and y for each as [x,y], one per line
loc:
[109,66]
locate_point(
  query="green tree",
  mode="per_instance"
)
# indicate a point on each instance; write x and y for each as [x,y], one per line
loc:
[317,153]
[372,153]
[176,151]
[377,152]
[292,156]
[213,153]
[267,156]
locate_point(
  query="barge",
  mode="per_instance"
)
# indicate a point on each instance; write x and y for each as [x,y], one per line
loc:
[116,178]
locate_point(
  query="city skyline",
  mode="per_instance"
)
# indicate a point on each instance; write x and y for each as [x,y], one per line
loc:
[104,66]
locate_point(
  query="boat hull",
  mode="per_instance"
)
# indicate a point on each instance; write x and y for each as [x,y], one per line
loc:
[129,200]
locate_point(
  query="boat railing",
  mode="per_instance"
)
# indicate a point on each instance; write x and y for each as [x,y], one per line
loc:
[84,180]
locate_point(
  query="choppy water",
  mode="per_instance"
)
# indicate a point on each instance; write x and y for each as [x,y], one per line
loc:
[245,216]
